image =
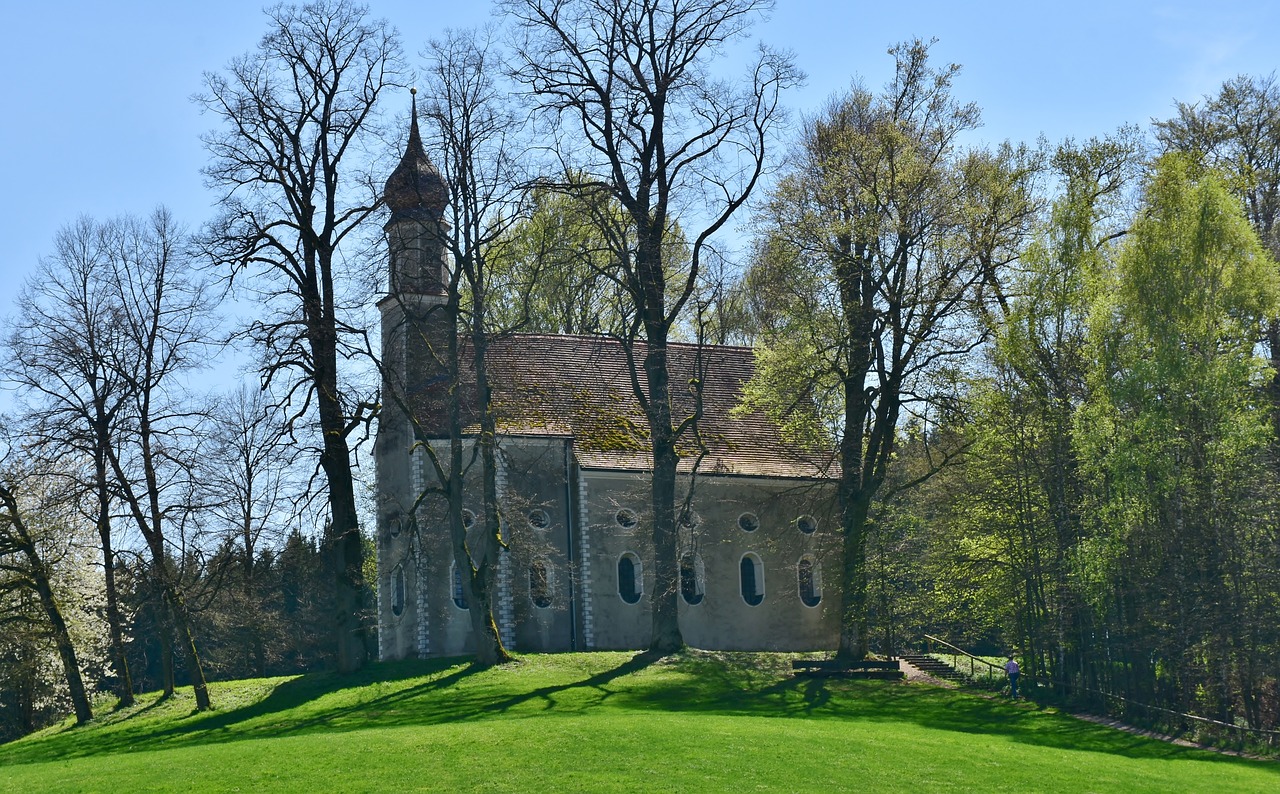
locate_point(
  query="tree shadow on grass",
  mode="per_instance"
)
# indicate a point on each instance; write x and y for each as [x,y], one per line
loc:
[297,703]
[381,696]
[596,682]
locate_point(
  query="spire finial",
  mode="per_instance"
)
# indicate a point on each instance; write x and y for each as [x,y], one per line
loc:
[415,139]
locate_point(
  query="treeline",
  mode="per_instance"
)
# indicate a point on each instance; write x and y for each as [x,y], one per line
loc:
[1114,522]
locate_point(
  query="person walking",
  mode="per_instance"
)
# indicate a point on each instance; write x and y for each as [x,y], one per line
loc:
[1011,667]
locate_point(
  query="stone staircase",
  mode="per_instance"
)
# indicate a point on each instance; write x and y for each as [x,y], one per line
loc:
[931,666]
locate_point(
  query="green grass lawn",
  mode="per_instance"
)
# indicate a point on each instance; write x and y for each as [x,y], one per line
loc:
[604,722]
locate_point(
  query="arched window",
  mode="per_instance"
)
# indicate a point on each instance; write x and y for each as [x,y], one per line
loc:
[752,574]
[692,578]
[540,583]
[397,590]
[459,595]
[809,579]
[630,578]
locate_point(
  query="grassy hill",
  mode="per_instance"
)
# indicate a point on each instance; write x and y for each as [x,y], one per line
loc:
[604,722]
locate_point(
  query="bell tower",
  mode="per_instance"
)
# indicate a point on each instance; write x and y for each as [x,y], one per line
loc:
[417,326]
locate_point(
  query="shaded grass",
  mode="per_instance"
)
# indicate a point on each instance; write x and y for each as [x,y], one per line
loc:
[604,722]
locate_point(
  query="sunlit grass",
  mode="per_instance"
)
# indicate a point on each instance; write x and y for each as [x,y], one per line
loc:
[604,722]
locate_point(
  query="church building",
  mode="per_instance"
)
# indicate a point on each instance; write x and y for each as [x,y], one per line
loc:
[759,549]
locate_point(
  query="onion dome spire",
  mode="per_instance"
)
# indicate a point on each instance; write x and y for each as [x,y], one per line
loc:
[416,185]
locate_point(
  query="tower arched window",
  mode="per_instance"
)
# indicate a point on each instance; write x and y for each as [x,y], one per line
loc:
[809,581]
[692,578]
[630,578]
[751,572]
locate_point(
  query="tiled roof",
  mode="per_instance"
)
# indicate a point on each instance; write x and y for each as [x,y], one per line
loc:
[580,387]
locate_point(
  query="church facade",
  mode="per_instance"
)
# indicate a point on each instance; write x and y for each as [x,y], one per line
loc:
[759,547]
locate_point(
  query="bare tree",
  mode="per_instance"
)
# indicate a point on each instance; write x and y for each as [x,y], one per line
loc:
[162,310]
[58,355]
[296,113]
[629,88]
[248,473]
[477,133]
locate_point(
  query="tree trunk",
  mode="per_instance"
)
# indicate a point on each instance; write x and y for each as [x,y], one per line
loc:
[344,550]
[489,650]
[119,661]
[187,641]
[62,638]
[667,637]
[855,509]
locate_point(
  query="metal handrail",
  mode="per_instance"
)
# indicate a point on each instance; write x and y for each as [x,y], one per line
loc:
[963,652]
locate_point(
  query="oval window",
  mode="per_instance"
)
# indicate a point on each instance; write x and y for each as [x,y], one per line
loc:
[459,595]
[540,583]
[397,591]
[626,518]
[692,579]
[539,519]
[807,524]
[748,522]
[809,579]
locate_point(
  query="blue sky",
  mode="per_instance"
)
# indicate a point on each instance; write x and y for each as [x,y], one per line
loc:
[97,117]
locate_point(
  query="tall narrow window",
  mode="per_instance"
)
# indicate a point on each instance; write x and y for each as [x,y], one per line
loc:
[809,578]
[752,574]
[397,591]
[459,595]
[630,578]
[692,578]
[540,583]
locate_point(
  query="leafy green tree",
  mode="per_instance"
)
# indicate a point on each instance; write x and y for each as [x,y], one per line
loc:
[1173,431]
[558,275]
[1026,410]
[869,270]
[1238,131]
